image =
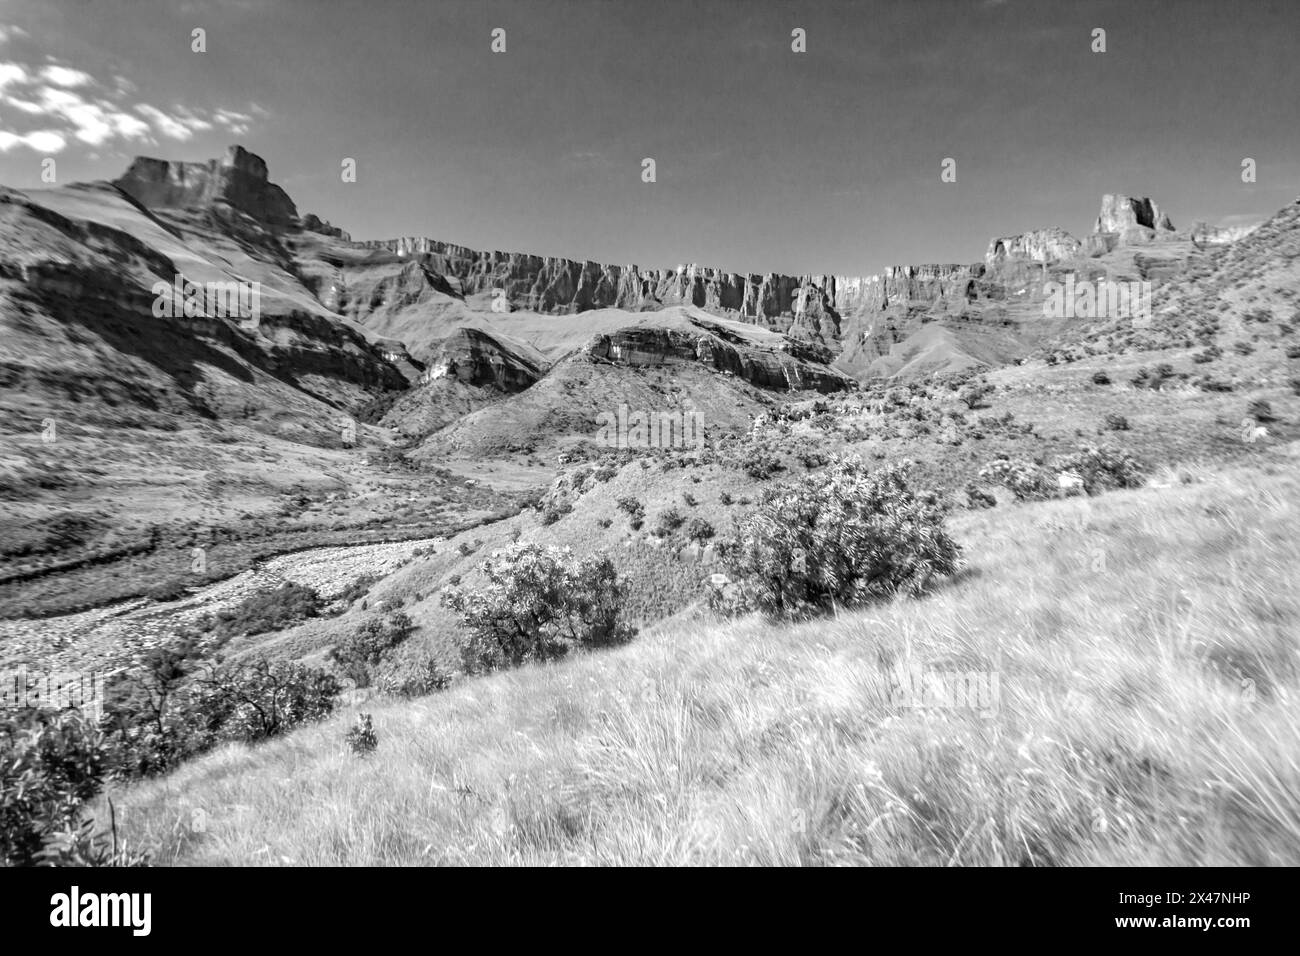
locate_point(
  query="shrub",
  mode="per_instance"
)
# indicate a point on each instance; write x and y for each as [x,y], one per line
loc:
[358,588]
[840,538]
[51,763]
[367,646]
[1026,480]
[269,611]
[80,845]
[635,511]
[699,530]
[540,604]
[1100,378]
[555,512]
[1116,423]
[974,394]
[759,463]
[1261,411]
[168,590]
[977,497]
[1101,468]
[669,521]
[411,673]
[361,738]
[1208,383]
[253,702]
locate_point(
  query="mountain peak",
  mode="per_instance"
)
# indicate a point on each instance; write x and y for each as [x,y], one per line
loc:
[239,178]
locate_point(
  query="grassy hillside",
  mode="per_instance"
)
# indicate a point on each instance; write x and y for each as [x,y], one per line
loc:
[1146,663]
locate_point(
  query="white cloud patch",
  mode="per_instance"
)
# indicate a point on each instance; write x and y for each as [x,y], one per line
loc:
[7,32]
[66,76]
[43,141]
[86,111]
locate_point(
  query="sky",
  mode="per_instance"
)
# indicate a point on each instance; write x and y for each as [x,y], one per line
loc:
[765,159]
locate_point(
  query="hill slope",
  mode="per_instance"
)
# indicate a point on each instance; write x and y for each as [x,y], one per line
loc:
[1145,658]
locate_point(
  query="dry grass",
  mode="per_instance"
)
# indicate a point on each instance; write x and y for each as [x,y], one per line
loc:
[1147,665]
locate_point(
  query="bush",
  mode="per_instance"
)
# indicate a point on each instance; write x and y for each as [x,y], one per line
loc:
[361,738]
[81,846]
[699,530]
[635,512]
[1100,378]
[168,590]
[540,604]
[555,512]
[359,588]
[840,538]
[670,521]
[256,701]
[1026,480]
[1116,423]
[1102,468]
[163,713]
[761,464]
[977,497]
[411,673]
[51,763]
[972,395]
[367,646]
[1261,411]
[269,611]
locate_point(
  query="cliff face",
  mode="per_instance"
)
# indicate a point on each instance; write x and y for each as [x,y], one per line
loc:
[794,366]
[473,357]
[238,178]
[807,307]
[1121,213]
[548,284]
[1037,245]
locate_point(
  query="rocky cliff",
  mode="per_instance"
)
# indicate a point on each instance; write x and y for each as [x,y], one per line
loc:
[793,366]
[238,178]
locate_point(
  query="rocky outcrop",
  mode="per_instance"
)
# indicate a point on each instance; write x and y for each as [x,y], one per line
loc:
[239,178]
[1122,213]
[313,223]
[556,285]
[1037,245]
[790,367]
[474,357]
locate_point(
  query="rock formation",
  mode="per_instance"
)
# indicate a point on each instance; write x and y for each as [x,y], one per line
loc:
[1037,245]
[790,367]
[474,357]
[1121,213]
[239,178]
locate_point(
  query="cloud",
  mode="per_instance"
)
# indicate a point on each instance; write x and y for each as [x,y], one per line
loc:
[12,74]
[11,31]
[42,141]
[96,114]
[164,123]
[66,76]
